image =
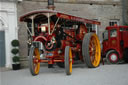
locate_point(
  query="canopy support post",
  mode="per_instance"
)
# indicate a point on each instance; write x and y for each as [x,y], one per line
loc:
[32,26]
[49,24]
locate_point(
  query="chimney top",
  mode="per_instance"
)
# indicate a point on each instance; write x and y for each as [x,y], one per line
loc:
[51,4]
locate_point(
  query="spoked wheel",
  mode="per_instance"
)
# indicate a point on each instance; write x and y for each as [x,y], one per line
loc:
[68,60]
[112,57]
[91,50]
[34,57]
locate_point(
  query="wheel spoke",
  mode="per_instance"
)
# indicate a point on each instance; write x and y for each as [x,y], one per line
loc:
[90,46]
[35,67]
[91,43]
[94,51]
[90,53]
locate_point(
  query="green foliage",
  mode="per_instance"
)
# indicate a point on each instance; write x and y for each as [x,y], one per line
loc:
[15,51]
[16,59]
[126,24]
[15,43]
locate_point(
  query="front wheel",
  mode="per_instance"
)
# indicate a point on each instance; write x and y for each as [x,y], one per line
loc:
[34,57]
[91,50]
[112,57]
[68,60]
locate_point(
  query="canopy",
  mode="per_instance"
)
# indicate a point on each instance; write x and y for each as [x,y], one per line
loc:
[59,15]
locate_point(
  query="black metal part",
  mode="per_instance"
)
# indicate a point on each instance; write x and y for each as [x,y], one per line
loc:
[50,2]
[50,66]
[52,49]
[122,43]
[36,44]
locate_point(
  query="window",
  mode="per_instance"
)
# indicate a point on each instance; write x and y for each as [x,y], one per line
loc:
[122,29]
[105,35]
[113,33]
[91,27]
[113,22]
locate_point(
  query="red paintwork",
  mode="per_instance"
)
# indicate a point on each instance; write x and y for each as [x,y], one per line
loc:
[61,15]
[113,43]
[70,17]
[68,41]
[125,38]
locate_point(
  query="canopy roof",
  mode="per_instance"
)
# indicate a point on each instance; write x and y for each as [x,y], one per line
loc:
[59,15]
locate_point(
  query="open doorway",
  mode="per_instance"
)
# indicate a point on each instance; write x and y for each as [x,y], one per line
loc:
[2,49]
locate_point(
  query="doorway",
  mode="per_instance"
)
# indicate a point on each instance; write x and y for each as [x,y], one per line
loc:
[2,49]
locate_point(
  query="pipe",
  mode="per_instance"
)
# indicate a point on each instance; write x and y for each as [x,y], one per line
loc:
[51,4]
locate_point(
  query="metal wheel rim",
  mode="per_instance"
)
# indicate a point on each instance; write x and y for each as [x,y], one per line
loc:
[94,50]
[70,60]
[36,63]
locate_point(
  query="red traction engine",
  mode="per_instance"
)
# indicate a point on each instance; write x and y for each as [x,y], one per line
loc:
[115,44]
[58,38]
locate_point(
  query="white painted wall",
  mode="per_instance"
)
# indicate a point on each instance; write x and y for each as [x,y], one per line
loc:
[8,17]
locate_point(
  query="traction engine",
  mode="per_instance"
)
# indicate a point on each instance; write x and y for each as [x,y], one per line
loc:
[62,39]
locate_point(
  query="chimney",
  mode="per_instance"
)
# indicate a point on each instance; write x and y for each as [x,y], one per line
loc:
[51,4]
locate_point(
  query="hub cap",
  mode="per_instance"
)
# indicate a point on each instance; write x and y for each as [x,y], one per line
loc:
[113,57]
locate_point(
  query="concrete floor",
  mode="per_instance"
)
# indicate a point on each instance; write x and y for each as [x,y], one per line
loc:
[81,75]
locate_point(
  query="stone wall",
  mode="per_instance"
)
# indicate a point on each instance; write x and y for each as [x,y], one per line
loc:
[79,1]
[104,11]
[125,11]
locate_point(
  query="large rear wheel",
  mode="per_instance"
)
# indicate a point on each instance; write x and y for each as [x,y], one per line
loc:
[68,60]
[91,50]
[34,57]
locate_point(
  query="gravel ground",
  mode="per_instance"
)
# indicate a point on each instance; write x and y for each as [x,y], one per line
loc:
[81,75]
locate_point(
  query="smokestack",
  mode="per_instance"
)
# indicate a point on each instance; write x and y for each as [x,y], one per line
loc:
[51,4]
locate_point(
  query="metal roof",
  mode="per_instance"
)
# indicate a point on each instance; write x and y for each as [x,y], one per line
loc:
[60,15]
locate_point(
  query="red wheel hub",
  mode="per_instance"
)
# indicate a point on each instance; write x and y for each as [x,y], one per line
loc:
[113,57]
